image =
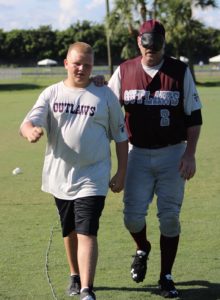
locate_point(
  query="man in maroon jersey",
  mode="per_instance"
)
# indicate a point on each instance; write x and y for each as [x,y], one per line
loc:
[163,119]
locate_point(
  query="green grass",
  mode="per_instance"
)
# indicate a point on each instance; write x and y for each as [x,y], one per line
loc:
[28,218]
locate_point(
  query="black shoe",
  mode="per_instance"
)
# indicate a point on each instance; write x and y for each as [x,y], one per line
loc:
[74,286]
[167,287]
[87,294]
[139,265]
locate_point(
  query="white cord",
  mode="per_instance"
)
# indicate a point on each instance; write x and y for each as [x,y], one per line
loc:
[47,263]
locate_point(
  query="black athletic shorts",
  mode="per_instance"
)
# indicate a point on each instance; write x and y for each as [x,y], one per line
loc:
[80,215]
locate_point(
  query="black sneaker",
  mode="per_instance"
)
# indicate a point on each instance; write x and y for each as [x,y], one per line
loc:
[167,287]
[87,294]
[74,286]
[139,265]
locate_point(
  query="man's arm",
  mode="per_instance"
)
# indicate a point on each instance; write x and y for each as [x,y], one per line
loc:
[117,182]
[30,132]
[188,162]
[193,121]
[115,82]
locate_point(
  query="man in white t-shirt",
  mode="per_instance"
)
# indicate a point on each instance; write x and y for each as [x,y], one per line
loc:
[80,120]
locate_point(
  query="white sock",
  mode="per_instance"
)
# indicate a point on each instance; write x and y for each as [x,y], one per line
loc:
[85,287]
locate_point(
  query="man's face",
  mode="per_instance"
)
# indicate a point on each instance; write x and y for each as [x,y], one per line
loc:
[79,67]
[152,50]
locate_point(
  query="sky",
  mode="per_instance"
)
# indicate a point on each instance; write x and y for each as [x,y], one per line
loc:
[60,14]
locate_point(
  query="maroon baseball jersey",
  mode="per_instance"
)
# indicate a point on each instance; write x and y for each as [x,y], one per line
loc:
[154,108]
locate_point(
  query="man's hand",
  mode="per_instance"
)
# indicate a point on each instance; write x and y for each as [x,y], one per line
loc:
[116,184]
[187,166]
[34,134]
[30,132]
[99,80]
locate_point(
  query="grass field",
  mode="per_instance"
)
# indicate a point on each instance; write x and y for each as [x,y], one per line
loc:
[32,259]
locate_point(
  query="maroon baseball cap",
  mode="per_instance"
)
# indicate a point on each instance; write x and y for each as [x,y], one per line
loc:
[152,26]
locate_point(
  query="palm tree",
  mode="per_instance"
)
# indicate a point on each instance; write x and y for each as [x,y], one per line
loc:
[110,65]
[177,16]
[122,18]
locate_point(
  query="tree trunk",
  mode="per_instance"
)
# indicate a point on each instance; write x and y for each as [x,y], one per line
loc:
[110,65]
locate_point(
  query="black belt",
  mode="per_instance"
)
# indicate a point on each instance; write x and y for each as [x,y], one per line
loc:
[161,145]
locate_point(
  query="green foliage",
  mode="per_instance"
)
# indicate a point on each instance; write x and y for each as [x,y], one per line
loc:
[181,28]
[184,35]
[26,47]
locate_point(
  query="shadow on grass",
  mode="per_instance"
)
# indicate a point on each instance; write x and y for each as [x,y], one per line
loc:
[202,290]
[189,290]
[209,83]
[18,86]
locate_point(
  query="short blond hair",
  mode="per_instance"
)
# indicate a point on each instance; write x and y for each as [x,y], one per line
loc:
[80,47]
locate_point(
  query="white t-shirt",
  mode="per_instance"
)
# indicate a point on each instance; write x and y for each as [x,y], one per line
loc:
[80,122]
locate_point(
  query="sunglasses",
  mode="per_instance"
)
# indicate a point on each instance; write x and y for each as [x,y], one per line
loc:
[153,41]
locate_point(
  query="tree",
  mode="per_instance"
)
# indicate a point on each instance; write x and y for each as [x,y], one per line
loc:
[180,25]
[123,18]
[87,32]
[108,40]
[26,47]
[176,15]
[2,46]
